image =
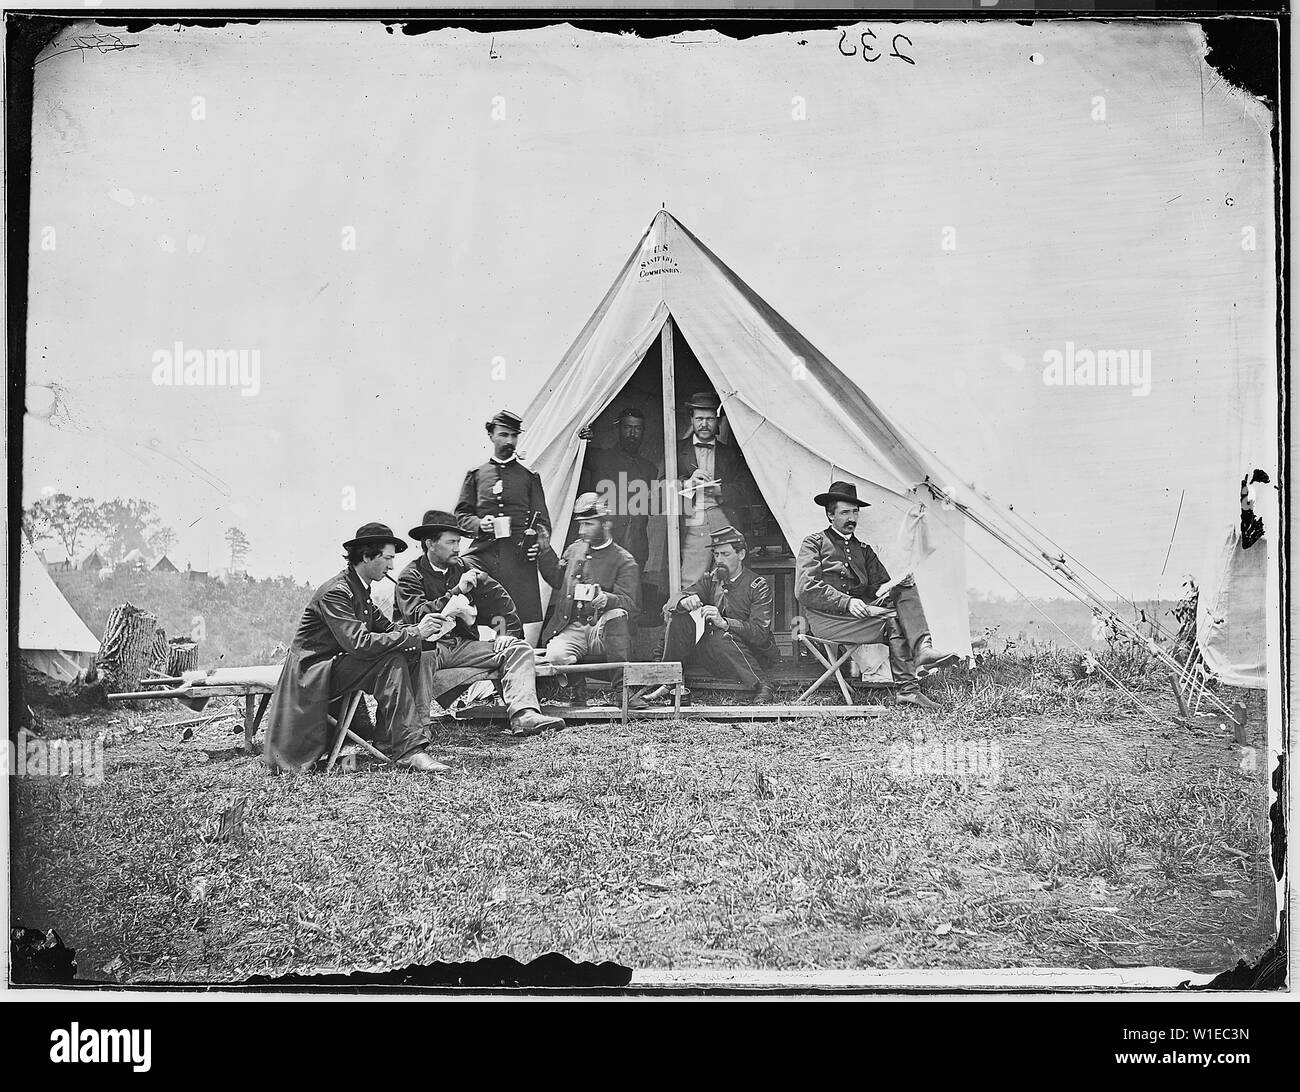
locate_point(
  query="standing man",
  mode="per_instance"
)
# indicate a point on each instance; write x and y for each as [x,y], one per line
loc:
[738,641]
[345,643]
[844,593]
[621,476]
[428,586]
[702,460]
[597,602]
[501,508]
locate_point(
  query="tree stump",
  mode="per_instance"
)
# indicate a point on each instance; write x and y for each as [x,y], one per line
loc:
[159,653]
[184,656]
[126,647]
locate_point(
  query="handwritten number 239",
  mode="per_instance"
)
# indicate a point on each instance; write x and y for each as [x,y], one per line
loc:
[869,48]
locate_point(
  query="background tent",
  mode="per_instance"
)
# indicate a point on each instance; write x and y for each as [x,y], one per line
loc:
[51,635]
[799,420]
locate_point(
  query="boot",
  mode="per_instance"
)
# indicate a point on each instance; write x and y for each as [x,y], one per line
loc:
[763,695]
[928,658]
[528,722]
[917,699]
[579,697]
[637,701]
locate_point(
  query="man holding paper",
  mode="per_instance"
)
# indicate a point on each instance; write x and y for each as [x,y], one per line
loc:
[846,595]
[723,623]
[716,484]
[441,583]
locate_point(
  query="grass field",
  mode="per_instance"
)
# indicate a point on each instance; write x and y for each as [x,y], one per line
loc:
[1089,836]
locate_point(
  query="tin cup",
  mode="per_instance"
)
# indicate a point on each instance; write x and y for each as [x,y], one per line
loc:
[501,526]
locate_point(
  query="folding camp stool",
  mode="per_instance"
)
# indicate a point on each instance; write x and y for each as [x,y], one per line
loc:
[823,650]
[644,674]
[350,704]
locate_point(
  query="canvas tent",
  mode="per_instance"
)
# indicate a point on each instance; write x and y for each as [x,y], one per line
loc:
[677,320]
[51,635]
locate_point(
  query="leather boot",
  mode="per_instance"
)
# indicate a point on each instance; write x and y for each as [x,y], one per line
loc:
[928,658]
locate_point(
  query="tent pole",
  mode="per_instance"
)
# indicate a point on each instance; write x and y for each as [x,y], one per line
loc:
[672,509]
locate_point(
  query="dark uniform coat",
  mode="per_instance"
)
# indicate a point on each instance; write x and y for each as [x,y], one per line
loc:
[340,623]
[633,481]
[505,489]
[422,590]
[830,572]
[612,567]
[747,650]
[746,604]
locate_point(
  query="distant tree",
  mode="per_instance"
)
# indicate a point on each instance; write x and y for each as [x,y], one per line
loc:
[162,540]
[68,519]
[128,524]
[239,547]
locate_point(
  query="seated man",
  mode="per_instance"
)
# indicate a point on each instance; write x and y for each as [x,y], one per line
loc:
[427,587]
[345,643]
[598,582]
[738,641]
[841,587]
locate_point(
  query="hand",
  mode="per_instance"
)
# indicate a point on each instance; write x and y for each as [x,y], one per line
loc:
[600,602]
[503,642]
[485,525]
[469,581]
[859,609]
[540,543]
[710,613]
[584,433]
[690,602]
[431,627]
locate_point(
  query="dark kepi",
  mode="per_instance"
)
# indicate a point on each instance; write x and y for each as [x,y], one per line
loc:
[506,419]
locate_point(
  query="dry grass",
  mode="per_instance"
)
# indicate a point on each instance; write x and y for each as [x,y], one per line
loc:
[1104,839]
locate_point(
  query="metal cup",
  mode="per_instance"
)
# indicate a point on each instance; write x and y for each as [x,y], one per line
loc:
[501,526]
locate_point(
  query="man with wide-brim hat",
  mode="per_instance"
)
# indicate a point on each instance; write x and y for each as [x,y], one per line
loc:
[598,585]
[501,509]
[718,486]
[440,582]
[345,643]
[735,604]
[845,595]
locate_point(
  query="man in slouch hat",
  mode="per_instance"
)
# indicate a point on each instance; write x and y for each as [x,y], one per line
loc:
[345,643]
[846,595]
[439,581]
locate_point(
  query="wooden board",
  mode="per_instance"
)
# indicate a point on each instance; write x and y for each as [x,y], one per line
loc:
[689,712]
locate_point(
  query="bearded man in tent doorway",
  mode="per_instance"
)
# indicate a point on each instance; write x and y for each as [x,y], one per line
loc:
[502,509]
[846,595]
[719,488]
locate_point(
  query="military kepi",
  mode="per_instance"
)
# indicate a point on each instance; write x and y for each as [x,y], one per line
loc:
[589,506]
[506,419]
[841,491]
[433,524]
[728,536]
[375,534]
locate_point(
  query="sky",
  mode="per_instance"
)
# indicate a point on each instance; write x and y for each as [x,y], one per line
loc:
[409,231]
